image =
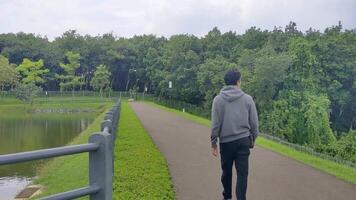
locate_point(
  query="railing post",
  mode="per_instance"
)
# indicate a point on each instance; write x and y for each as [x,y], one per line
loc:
[109,116]
[100,167]
[108,124]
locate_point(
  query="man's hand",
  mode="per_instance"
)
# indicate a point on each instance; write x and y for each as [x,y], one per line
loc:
[215,151]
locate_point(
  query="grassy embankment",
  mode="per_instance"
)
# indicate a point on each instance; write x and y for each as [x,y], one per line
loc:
[91,103]
[341,171]
[140,170]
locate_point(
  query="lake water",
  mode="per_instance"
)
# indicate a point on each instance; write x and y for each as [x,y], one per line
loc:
[21,131]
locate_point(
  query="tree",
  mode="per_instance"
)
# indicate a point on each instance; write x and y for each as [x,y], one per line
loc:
[8,73]
[292,31]
[336,53]
[69,80]
[300,113]
[210,78]
[32,71]
[217,44]
[254,38]
[21,45]
[27,92]
[269,74]
[180,59]
[101,79]
[278,40]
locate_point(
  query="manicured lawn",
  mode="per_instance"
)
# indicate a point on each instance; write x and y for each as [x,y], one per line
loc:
[341,171]
[141,172]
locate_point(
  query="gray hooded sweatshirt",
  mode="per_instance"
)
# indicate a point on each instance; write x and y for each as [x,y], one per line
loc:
[233,115]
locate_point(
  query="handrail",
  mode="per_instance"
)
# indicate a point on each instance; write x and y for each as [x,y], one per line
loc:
[81,192]
[46,153]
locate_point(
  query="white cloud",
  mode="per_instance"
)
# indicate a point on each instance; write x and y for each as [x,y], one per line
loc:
[167,17]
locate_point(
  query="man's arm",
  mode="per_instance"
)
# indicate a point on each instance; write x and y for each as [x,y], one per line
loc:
[253,119]
[215,124]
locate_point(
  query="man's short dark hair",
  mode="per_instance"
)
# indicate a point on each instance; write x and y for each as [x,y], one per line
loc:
[232,76]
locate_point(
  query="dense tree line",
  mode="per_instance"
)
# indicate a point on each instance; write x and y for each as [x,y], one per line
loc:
[303,83]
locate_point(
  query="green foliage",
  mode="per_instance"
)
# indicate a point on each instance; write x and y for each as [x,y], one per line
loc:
[101,79]
[299,113]
[316,118]
[131,173]
[27,92]
[8,74]
[69,80]
[270,72]
[254,38]
[32,71]
[344,148]
[210,77]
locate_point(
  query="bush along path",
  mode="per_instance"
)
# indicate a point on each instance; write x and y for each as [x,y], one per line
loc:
[196,173]
[141,171]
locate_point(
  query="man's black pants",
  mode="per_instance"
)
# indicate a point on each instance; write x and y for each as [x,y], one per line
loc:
[237,151]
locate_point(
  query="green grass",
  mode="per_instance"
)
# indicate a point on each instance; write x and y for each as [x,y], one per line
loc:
[186,115]
[343,172]
[141,172]
[9,100]
[93,103]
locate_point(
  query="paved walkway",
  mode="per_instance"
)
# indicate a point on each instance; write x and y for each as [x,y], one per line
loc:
[196,173]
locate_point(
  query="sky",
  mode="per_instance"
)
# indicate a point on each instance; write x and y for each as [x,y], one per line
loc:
[126,18]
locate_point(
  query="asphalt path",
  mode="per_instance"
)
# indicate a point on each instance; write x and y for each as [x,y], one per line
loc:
[196,173]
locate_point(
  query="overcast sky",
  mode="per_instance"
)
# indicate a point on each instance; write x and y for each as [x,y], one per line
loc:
[166,17]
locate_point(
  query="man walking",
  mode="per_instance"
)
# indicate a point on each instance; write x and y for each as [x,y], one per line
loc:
[235,125]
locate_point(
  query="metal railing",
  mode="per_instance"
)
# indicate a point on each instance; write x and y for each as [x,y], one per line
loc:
[308,150]
[101,159]
[84,93]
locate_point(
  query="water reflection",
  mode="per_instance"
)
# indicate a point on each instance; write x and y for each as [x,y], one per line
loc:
[10,186]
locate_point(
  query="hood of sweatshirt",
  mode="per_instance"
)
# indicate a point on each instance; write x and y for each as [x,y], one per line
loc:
[231,93]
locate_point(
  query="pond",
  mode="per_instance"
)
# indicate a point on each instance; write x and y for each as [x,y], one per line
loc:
[21,131]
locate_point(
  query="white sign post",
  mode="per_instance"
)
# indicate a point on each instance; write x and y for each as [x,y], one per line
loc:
[144,93]
[170,84]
